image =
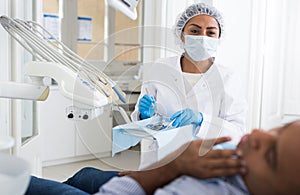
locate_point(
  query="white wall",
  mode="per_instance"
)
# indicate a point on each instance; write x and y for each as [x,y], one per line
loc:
[235,43]
[280,92]
[262,45]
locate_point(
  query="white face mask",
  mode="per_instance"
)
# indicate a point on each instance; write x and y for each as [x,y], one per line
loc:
[200,48]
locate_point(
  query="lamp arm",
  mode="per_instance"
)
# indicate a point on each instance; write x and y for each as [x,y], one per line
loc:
[15,90]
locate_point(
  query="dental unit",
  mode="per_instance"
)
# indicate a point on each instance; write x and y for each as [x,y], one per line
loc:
[88,87]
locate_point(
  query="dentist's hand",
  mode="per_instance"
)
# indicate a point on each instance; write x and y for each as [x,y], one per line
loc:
[187,117]
[147,106]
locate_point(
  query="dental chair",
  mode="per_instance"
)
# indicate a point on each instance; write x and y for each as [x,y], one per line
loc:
[14,171]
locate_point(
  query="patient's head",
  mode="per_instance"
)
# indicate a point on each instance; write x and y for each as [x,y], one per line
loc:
[273,160]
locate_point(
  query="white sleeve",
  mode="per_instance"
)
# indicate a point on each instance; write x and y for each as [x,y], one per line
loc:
[232,114]
[213,127]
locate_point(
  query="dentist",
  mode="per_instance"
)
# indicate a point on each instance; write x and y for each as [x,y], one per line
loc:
[191,88]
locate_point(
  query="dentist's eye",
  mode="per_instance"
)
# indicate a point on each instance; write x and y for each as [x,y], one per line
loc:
[194,31]
[212,33]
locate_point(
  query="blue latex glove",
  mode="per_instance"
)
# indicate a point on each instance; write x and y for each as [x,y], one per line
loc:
[187,117]
[147,106]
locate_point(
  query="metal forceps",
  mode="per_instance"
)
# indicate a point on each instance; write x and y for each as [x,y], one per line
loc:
[162,124]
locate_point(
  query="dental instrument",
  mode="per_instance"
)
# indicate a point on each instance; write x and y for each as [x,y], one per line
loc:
[163,124]
[85,84]
[170,123]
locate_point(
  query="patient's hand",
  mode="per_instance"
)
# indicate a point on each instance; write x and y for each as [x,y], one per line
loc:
[198,160]
[124,173]
[194,159]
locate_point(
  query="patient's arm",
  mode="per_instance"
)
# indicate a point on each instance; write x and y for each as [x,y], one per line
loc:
[187,161]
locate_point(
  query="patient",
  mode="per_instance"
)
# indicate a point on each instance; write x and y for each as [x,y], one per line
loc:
[272,166]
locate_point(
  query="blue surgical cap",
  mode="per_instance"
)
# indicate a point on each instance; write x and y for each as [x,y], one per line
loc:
[194,10]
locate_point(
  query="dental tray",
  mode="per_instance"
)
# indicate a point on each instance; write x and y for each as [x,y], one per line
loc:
[147,127]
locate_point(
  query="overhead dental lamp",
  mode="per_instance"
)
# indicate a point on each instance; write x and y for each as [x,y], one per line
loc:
[127,7]
[88,87]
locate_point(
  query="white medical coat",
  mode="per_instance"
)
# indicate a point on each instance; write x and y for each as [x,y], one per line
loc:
[217,95]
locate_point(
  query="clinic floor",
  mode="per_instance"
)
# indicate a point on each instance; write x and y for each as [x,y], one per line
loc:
[127,160]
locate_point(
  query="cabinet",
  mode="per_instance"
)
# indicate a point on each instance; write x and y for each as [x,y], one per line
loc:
[64,140]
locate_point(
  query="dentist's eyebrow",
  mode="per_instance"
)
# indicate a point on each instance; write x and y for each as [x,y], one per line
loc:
[210,27]
[196,25]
